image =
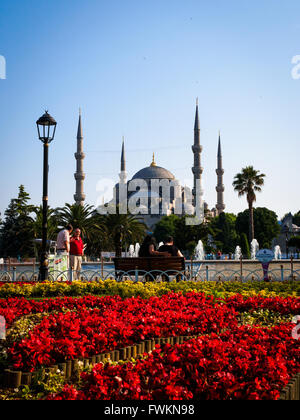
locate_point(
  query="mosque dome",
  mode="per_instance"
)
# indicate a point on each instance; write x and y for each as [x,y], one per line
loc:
[154,172]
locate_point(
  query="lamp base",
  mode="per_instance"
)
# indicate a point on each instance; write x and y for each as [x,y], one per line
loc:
[44,271]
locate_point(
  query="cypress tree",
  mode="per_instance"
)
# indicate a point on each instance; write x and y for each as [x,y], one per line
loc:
[245,246]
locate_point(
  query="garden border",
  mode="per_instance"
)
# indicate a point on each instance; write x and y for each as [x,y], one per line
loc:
[15,379]
[292,391]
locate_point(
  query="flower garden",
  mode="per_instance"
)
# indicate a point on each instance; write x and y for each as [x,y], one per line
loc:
[238,340]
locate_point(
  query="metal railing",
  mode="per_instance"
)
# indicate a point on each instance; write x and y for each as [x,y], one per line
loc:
[198,274]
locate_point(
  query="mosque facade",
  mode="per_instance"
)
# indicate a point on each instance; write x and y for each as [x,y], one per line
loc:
[154,191]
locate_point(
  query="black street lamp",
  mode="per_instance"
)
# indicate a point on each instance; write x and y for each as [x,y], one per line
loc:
[46,126]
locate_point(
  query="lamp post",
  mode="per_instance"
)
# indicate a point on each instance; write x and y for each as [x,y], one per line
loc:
[46,126]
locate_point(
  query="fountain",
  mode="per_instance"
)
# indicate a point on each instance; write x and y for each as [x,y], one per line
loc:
[277,252]
[137,250]
[254,249]
[131,251]
[160,244]
[199,252]
[238,253]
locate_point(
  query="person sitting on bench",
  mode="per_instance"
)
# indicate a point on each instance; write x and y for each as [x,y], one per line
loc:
[173,251]
[170,248]
[148,248]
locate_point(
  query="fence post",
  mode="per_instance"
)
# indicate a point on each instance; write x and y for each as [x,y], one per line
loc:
[241,265]
[136,274]
[207,273]
[71,274]
[14,274]
[292,267]
[282,273]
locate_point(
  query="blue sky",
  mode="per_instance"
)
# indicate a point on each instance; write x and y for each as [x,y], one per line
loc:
[135,68]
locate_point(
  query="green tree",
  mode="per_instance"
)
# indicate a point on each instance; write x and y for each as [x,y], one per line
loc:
[52,223]
[16,230]
[9,239]
[296,219]
[78,216]
[223,230]
[191,248]
[90,223]
[123,230]
[166,226]
[248,182]
[245,246]
[294,242]
[265,222]
[188,233]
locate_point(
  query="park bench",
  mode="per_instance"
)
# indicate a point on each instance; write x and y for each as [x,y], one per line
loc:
[154,265]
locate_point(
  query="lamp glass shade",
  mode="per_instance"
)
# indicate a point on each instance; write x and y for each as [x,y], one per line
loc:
[46,126]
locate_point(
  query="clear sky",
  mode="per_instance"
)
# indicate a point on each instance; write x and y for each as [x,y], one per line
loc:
[135,68]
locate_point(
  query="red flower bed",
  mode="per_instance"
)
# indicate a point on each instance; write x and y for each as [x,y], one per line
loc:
[15,308]
[289,305]
[241,364]
[238,363]
[115,323]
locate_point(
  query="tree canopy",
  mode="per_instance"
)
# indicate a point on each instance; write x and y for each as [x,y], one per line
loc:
[265,223]
[294,242]
[16,230]
[296,218]
[183,233]
[224,232]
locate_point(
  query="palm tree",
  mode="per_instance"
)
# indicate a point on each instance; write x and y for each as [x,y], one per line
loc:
[248,182]
[52,223]
[123,229]
[110,231]
[82,217]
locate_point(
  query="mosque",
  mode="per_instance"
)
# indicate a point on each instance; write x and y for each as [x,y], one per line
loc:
[147,185]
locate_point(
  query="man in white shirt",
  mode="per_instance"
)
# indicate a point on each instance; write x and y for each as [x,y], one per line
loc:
[63,240]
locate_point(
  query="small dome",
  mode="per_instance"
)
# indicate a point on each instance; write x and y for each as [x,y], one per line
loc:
[154,172]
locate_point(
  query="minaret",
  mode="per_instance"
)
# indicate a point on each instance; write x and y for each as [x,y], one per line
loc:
[220,186]
[79,197]
[197,150]
[123,173]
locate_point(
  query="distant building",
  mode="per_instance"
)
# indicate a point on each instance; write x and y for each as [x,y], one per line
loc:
[155,172]
[287,230]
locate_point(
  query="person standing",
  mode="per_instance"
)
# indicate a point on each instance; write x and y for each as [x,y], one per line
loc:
[76,253]
[63,241]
